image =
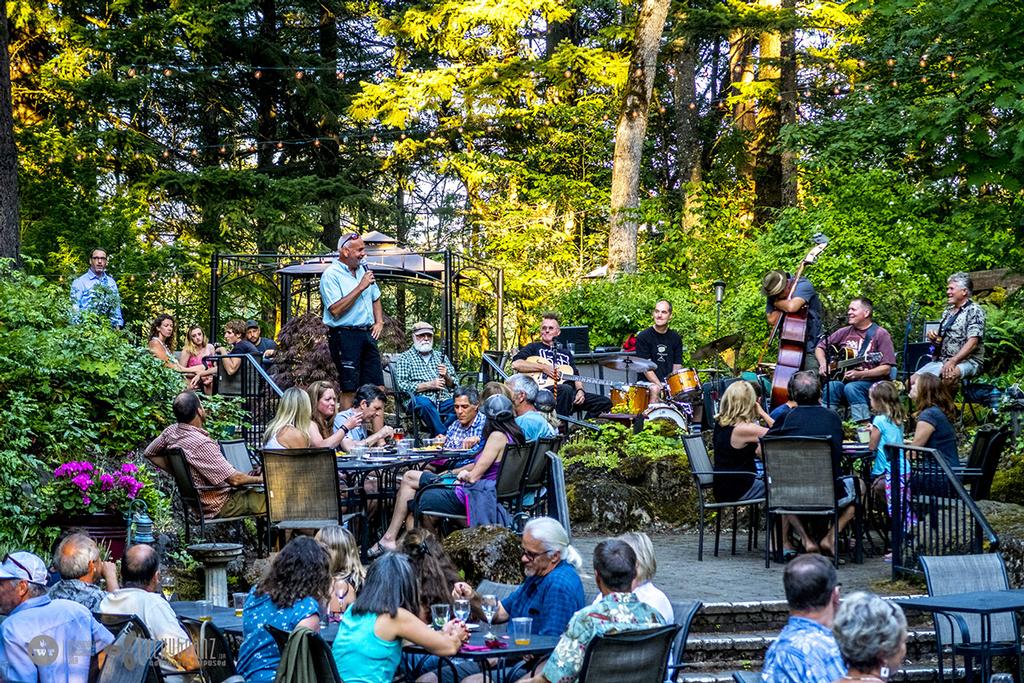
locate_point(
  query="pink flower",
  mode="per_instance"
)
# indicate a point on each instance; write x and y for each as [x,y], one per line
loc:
[129,468]
[106,482]
[82,481]
[86,500]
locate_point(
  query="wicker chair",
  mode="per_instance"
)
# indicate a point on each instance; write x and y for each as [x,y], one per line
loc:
[953,574]
[302,489]
[629,656]
[798,481]
[704,477]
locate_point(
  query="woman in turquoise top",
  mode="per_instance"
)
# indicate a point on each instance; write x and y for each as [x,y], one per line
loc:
[290,595]
[368,646]
[886,428]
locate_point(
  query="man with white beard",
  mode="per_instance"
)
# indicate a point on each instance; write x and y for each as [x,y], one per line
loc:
[428,376]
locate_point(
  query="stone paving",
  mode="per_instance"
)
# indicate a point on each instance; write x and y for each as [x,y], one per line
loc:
[726,578]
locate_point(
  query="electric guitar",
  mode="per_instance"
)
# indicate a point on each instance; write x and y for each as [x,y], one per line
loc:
[843,359]
[563,373]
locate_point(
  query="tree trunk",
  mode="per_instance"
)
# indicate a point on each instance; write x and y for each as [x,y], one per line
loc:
[788,110]
[767,160]
[741,72]
[629,135]
[688,142]
[10,237]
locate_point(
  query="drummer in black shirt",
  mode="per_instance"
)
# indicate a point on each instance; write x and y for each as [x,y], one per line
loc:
[662,346]
[570,396]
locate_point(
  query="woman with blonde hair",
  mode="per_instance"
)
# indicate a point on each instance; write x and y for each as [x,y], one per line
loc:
[290,426]
[736,442]
[196,349]
[646,568]
[347,571]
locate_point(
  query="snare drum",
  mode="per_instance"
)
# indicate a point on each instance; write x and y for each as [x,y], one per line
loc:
[630,399]
[683,383]
[669,413]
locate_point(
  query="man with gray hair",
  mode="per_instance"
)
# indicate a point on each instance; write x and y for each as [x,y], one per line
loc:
[78,562]
[468,428]
[958,342]
[553,591]
[806,651]
[42,639]
[354,317]
[524,396]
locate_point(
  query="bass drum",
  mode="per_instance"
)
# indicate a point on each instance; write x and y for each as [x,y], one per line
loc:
[669,413]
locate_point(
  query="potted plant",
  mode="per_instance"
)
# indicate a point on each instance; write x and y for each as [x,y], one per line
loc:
[95,498]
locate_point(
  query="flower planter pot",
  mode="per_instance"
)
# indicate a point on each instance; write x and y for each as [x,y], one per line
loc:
[106,528]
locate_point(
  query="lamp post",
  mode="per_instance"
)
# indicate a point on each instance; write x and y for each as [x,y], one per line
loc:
[719,286]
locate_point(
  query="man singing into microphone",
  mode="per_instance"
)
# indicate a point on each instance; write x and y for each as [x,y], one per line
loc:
[354,318]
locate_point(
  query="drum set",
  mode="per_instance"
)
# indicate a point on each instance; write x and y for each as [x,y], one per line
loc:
[682,398]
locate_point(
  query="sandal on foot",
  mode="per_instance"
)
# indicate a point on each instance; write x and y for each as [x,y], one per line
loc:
[376,551]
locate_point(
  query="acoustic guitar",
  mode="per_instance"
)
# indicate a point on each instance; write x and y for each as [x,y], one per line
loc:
[563,373]
[842,359]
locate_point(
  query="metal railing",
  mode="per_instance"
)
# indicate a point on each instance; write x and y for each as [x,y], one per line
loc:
[932,513]
[258,391]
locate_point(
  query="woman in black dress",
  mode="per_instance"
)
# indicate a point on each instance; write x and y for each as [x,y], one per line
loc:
[736,442]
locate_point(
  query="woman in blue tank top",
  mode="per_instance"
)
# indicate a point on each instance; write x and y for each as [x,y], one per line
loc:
[368,646]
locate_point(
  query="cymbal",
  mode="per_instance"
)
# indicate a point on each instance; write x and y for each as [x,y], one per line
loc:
[629,364]
[713,348]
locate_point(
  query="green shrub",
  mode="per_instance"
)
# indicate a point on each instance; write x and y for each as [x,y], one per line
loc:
[67,392]
[615,444]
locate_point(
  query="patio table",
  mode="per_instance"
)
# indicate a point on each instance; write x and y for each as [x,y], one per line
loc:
[982,603]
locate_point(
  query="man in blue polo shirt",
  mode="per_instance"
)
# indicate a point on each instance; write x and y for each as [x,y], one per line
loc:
[553,591]
[354,318]
[43,640]
[530,420]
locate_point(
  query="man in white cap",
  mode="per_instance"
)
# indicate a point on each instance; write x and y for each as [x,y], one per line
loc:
[42,639]
[428,376]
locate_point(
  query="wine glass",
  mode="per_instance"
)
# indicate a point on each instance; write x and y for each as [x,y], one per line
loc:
[167,586]
[462,610]
[489,605]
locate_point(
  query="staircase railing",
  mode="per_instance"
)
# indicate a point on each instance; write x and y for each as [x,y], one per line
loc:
[932,513]
[259,393]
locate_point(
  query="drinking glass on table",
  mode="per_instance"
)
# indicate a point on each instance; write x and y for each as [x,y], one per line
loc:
[462,610]
[489,605]
[440,614]
[238,601]
[521,629]
[167,587]
[399,433]
[204,610]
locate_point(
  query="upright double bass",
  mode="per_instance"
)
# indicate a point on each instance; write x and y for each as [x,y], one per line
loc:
[792,331]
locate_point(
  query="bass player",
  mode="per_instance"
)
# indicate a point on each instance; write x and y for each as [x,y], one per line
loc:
[865,349]
[775,286]
[569,396]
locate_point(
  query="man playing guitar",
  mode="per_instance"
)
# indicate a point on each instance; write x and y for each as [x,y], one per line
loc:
[569,396]
[661,346]
[959,350]
[869,356]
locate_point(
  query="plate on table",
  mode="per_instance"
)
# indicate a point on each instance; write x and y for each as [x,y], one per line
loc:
[380,450]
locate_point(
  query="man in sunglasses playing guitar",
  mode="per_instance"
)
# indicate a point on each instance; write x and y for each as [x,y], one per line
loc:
[862,354]
[549,362]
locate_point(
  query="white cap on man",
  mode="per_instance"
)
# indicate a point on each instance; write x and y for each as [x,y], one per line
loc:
[24,566]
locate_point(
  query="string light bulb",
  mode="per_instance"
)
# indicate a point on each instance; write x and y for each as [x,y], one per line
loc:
[168,72]
[131,72]
[316,143]
[166,154]
[693,106]
[340,75]
[258,75]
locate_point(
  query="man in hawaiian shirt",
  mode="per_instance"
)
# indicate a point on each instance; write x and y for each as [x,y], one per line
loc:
[959,339]
[426,374]
[618,610]
[805,651]
[77,559]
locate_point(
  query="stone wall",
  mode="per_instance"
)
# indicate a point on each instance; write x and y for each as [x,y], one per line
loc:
[1007,519]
